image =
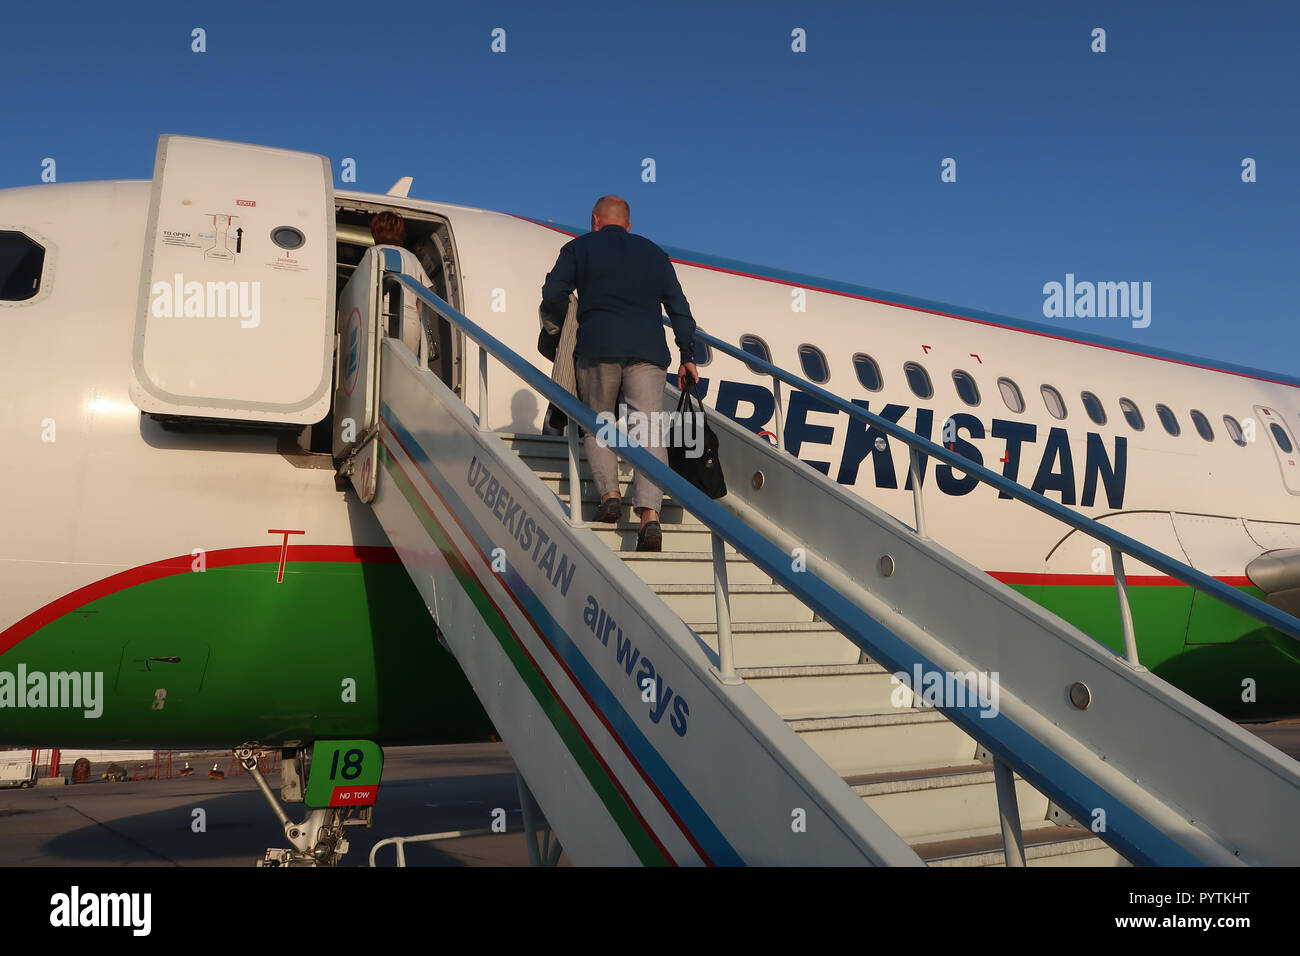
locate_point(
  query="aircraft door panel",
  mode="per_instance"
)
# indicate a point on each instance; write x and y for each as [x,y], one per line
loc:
[235,312]
[356,405]
[1273,430]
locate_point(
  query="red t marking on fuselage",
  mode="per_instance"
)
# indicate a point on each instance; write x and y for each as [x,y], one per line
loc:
[284,550]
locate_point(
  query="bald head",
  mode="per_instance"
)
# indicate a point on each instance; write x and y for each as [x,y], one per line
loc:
[610,211]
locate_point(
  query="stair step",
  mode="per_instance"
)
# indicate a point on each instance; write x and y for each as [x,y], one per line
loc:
[749,602]
[827,690]
[1044,846]
[621,538]
[940,803]
[773,644]
[692,567]
[896,740]
[670,510]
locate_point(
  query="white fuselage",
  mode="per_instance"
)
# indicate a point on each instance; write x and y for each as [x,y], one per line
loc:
[92,487]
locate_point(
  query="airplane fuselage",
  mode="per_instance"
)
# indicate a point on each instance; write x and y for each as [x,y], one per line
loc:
[228,570]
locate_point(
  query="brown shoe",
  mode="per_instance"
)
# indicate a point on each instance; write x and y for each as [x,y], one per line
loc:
[609,511]
[650,537]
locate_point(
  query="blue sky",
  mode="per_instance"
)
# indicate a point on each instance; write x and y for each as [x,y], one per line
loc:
[1115,166]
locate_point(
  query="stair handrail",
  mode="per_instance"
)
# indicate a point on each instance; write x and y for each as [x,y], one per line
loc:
[1117,541]
[1129,831]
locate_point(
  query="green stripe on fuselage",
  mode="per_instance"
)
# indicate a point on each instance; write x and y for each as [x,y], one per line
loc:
[1204,648]
[259,661]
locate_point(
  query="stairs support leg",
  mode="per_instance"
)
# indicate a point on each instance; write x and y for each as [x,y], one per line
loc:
[543,846]
[575,483]
[722,604]
[1013,843]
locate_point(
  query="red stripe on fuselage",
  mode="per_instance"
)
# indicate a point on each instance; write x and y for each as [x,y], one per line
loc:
[221,558]
[1108,579]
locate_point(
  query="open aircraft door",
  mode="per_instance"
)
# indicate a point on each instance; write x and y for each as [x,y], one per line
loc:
[235,318]
[356,396]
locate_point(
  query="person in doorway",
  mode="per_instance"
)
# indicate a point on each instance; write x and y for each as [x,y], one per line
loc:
[622,281]
[389,232]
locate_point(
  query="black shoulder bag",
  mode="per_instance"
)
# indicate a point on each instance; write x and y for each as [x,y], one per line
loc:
[704,470]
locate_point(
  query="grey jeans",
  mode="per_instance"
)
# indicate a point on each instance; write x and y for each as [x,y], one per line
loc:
[642,386]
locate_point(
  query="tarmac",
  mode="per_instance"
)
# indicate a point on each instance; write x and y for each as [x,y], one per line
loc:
[424,790]
[152,822]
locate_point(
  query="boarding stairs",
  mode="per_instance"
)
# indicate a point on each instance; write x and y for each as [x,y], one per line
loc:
[788,741]
[923,775]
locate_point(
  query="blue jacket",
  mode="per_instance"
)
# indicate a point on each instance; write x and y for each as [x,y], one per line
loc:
[622,280]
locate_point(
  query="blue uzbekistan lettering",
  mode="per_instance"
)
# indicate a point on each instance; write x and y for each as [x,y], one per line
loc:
[602,624]
[754,406]
[732,394]
[1015,434]
[1048,477]
[514,517]
[799,430]
[861,442]
[924,424]
[943,474]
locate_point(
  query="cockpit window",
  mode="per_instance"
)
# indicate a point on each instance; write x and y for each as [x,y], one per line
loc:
[21,262]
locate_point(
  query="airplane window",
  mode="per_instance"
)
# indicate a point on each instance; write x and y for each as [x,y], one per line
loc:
[868,372]
[1202,425]
[1011,394]
[757,348]
[918,379]
[1054,402]
[1092,405]
[703,353]
[1168,420]
[1131,414]
[967,390]
[1234,430]
[1280,436]
[21,262]
[814,364]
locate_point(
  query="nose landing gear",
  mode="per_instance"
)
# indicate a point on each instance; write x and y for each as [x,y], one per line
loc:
[320,839]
